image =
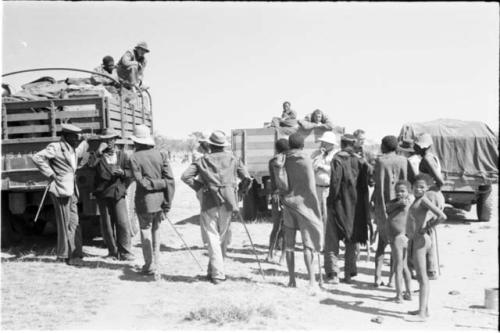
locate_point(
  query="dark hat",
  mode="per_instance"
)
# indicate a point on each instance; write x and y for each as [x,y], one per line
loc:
[108,133]
[349,138]
[69,128]
[407,145]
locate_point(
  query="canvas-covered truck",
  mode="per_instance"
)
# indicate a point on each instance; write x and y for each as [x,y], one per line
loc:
[468,153]
[255,147]
[28,126]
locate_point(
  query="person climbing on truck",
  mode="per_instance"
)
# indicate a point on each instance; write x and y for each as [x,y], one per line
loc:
[130,67]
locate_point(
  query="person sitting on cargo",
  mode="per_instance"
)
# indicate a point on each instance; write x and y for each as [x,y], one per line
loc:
[130,68]
[288,117]
[107,68]
[317,119]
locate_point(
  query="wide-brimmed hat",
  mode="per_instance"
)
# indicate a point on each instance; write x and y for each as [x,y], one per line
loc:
[142,135]
[218,138]
[407,145]
[109,133]
[69,128]
[424,140]
[142,45]
[329,137]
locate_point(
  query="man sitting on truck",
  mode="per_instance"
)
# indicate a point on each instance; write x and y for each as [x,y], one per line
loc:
[59,162]
[107,68]
[317,119]
[130,68]
[287,120]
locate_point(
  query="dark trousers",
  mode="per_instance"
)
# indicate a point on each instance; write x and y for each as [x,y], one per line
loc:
[115,226]
[332,249]
[69,234]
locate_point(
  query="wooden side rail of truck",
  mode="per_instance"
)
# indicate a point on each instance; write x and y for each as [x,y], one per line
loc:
[29,126]
[255,147]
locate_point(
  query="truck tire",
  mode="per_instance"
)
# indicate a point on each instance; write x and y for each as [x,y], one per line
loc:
[484,203]
[250,204]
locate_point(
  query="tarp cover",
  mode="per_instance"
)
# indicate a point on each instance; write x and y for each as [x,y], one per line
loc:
[468,147]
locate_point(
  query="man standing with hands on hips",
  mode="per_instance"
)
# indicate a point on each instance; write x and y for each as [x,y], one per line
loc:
[59,162]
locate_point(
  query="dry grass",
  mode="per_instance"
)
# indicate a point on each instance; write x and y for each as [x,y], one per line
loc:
[221,314]
[37,295]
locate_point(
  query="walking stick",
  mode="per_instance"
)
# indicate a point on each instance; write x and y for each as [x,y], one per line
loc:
[42,201]
[251,242]
[437,250]
[182,239]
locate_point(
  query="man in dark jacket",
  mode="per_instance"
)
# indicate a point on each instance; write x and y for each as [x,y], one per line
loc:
[112,178]
[153,195]
[218,172]
[348,209]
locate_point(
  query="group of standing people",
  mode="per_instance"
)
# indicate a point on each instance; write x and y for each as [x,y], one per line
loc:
[324,196]
[332,187]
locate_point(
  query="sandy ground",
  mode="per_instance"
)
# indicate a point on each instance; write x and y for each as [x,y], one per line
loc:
[122,299]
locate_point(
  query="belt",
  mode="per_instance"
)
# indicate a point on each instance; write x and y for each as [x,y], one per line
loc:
[323,185]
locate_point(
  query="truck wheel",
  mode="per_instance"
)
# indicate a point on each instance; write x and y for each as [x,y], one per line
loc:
[250,204]
[484,204]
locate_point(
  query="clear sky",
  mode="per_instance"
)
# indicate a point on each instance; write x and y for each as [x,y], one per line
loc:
[231,65]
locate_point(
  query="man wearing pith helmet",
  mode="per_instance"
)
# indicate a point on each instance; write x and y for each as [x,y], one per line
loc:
[130,68]
[218,173]
[153,195]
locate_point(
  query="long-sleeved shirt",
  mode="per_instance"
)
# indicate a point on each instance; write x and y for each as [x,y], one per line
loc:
[219,173]
[155,181]
[127,62]
[59,161]
[322,166]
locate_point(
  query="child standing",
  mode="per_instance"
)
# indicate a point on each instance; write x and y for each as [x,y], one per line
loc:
[397,211]
[422,216]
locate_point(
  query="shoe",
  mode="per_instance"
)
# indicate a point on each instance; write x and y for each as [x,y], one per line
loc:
[126,257]
[217,281]
[347,280]
[333,279]
[353,274]
[111,256]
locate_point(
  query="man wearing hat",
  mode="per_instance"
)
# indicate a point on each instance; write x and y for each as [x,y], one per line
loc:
[406,149]
[153,195]
[389,169]
[107,68]
[59,162]
[112,178]
[348,209]
[218,174]
[130,68]
[321,159]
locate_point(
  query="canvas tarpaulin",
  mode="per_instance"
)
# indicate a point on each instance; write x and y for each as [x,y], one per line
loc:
[468,147]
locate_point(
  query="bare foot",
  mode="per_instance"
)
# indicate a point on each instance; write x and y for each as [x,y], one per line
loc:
[407,296]
[418,319]
[417,312]
[292,284]
[397,299]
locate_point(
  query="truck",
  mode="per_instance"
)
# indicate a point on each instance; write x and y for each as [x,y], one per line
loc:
[468,153]
[255,147]
[29,126]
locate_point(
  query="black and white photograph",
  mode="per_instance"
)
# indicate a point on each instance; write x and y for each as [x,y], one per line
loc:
[271,166]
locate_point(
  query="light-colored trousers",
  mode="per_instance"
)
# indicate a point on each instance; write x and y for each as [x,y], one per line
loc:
[215,224]
[322,193]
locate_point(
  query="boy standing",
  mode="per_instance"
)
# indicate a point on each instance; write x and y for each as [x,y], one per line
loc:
[423,215]
[397,211]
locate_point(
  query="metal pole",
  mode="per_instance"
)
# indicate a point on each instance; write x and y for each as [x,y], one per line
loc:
[41,202]
[251,242]
[182,239]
